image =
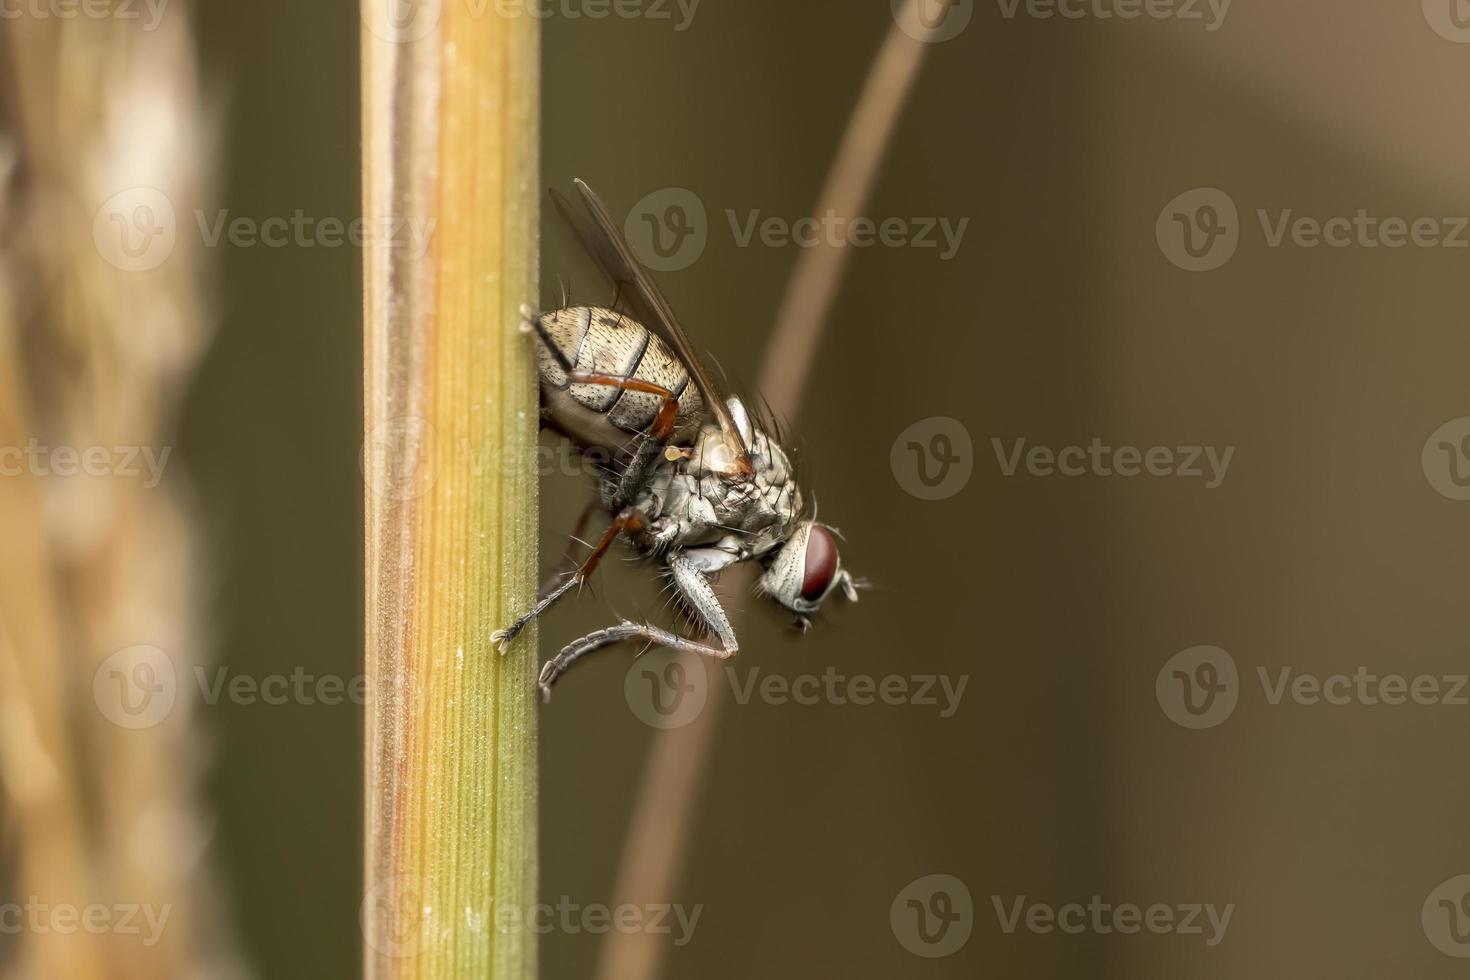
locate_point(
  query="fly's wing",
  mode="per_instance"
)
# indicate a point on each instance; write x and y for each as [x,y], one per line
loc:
[601,237]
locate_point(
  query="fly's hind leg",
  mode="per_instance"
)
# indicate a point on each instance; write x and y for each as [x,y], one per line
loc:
[629,521]
[702,604]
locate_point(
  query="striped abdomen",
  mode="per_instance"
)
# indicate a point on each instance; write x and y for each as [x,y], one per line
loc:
[599,340]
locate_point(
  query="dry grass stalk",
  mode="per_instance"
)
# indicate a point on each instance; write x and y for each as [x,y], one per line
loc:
[450,103]
[658,833]
[96,345]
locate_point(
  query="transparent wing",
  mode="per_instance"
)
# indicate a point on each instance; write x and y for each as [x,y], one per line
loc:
[601,237]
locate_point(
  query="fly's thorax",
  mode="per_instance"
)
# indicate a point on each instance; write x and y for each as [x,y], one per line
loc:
[699,503]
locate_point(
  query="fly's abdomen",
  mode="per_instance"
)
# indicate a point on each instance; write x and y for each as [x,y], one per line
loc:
[603,341]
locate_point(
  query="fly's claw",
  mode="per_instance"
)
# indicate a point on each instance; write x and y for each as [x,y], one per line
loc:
[502,640]
[528,318]
[544,682]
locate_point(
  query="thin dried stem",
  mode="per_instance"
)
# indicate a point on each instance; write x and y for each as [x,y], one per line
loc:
[658,834]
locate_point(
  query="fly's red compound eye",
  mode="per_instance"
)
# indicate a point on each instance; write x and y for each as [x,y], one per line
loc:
[821,563]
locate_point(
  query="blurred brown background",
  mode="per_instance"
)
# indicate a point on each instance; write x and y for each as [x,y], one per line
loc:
[1060,319]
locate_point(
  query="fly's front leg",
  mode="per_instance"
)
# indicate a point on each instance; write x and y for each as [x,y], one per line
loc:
[629,521]
[703,605]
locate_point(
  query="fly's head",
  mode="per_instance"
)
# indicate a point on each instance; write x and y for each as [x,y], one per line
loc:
[804,571]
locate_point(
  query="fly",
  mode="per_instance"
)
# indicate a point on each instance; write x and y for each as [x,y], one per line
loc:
[690,481]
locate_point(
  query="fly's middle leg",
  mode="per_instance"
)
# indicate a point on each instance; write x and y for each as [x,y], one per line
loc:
[629,521]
